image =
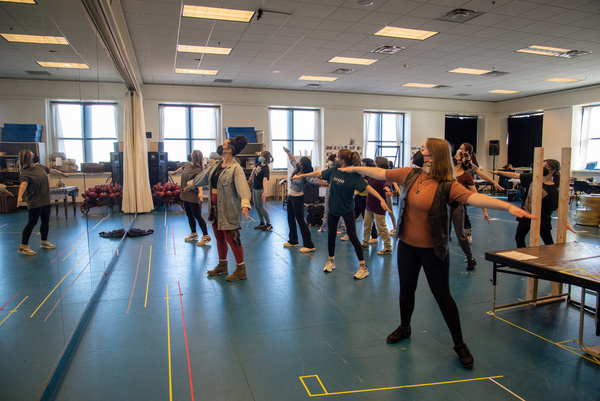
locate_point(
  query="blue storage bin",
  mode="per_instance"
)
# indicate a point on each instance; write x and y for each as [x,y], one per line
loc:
[248,132]
[22,133]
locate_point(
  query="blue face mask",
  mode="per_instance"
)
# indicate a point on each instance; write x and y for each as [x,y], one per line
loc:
[260,159]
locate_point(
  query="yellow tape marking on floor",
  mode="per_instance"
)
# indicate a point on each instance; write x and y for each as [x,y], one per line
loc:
[148,282]
[169,348]
[14,310]
[61,280]
[388,388]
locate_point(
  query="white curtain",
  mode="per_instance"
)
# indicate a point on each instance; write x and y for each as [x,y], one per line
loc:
[367,125]
[585,136]
[316,154]
[55,138]
[137,196]
[400,141]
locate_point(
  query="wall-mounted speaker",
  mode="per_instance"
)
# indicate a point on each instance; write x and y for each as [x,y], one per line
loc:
[494,148]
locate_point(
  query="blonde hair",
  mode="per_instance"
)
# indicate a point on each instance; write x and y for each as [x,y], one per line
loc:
[25,159]
[441,168]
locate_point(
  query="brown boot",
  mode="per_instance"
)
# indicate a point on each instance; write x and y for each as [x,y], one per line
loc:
[220,269]
[238,274]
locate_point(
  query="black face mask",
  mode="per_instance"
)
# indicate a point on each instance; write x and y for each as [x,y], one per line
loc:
[546,171]
[220,150]
[418,159]
[189,158]
[36,159]
[336,163]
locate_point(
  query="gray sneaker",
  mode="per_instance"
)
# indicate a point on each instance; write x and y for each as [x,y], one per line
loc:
[329,267]
[361,273]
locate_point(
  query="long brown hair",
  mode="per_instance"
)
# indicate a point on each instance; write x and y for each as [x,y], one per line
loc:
[441,168]
[349,157]
[25,159]
[469,148]
[198,159]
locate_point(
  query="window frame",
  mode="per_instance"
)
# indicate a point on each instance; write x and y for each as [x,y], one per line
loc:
[400,140]
[584,138]
[290,131]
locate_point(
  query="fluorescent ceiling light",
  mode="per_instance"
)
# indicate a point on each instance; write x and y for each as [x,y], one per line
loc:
[47,40]
[563,80]
[503,91]
[351,60]
[315,78]
[203,49]
[20,1]
[415,85]
[225,14]
[405,33]
[199,72]
[56,64]
[471,71]
[543,50]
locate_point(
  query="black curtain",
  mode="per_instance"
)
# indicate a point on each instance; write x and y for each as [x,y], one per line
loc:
[459,130]
[524,134]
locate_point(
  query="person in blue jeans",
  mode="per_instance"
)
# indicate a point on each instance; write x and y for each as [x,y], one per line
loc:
[295,203]
[259,177]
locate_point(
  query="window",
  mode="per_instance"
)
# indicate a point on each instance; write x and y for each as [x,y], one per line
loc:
[590,137]
[297,130]
[85,132]
[384,136]
[186,128]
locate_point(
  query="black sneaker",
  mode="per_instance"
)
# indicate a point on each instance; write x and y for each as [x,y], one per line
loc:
[268,227]
[464,355]
[471,264]
[399,334]
[261,226]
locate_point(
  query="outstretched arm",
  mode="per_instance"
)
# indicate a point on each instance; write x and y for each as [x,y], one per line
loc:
[307,175]
[481,200]
[489,179]
[505,173]
[381,200]
[374,172]
[22,189]
[286,150]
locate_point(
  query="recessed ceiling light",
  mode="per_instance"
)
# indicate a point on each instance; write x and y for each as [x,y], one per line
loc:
[276,72]
[47,40]
[316,78]
[203,49]
[563,80]
[416,85]
[471,71]
[352,60]
[543,50]
[225,14]
[198,72]
[503,91]
[365,3]
[405,33]
[56,64]
[20,1]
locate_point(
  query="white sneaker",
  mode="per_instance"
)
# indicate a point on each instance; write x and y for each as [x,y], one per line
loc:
[470,238]
[191,237]
[345,238]
[362,272]
[205,240]
[306,250]
[373,241]
[393,232]
[329,266]
[26,250]
[47,245]
[287,244]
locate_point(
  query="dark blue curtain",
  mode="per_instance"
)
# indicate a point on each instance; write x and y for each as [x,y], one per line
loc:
[524,134]
[459,130]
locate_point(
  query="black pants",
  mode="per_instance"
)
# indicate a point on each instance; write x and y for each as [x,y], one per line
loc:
[360,205]
[332,222]
[410,259]
[524,227]
[296,213]
[34,216]
[194,212]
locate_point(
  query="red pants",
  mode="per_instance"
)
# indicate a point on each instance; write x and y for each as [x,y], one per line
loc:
[224,237]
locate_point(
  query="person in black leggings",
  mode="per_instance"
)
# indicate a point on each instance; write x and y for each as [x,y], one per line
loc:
[192,201]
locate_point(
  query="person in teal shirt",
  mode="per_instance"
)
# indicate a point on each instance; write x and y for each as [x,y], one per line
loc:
[341,204]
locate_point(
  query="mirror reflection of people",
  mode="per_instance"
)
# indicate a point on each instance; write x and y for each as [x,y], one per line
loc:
[423,220]
[229,198]
[192,199]
[259,178]
[35,186]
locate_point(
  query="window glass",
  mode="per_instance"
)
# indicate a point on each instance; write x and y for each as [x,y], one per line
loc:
[297,130]
[384,136]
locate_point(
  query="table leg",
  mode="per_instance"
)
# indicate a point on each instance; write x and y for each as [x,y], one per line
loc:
[74,204]
[56,206]
[595,351]
[494,284]
[66,200]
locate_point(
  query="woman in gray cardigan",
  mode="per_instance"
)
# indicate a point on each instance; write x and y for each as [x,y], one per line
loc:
[229,197]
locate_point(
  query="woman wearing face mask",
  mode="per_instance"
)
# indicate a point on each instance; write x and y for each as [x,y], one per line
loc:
[341,225]
[295,203]
[259,177]
[341,204]
[229,197]
[36,188]
[550,183]
[423,219]
[462,163]
[360,205]
[192,201]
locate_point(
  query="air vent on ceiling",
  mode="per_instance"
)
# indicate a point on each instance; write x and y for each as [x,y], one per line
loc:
[222,81]
[343,71]
[496,74]
[463,94]
[459,15]
[38,73]
[388,49]
[441,87]
[573,53]
[314,85]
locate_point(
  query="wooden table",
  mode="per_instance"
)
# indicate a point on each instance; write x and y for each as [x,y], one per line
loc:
[572,263]
[63,193]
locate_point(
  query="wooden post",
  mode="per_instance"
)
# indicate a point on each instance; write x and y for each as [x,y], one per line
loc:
[563,206]
[535,193]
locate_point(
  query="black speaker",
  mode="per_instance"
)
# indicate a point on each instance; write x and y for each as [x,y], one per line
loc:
[494,148]
[157,168]
[116,164]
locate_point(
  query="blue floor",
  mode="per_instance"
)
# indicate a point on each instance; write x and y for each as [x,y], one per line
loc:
[288,332]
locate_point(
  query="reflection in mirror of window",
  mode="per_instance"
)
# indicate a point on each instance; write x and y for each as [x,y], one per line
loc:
[383,132]
[297,130]
[590,136]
